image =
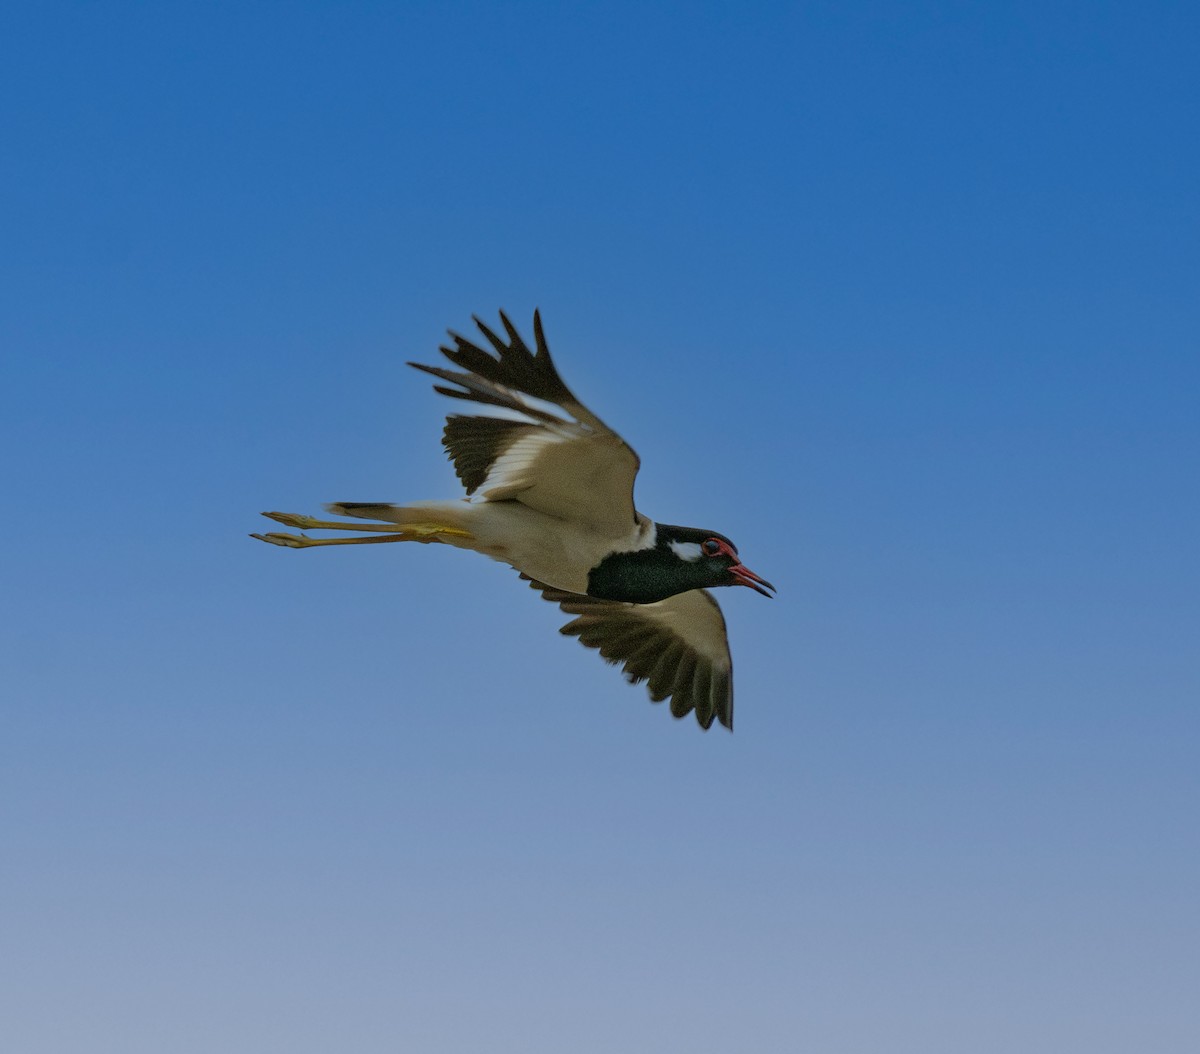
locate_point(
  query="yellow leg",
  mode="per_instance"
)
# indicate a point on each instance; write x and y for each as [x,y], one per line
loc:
[311,523]
[300,541]
[414,532]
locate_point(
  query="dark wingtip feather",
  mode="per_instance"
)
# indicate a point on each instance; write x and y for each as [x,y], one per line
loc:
[513,336]
[539,336]
[513,367]
[491,336]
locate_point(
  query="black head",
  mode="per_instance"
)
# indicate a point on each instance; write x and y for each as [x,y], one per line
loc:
[681,558]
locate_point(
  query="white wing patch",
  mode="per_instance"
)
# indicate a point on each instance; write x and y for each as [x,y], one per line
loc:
[514,470]
[570,473]
[686,550]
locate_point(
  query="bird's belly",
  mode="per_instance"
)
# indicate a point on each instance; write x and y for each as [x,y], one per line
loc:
[559,553]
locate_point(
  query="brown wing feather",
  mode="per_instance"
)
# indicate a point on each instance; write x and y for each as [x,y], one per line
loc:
[686,667]
[585,470]
[474,444]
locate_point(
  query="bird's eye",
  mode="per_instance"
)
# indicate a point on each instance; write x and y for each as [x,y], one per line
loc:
[712,547]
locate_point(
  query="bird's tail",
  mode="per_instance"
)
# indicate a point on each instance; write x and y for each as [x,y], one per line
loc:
[432,521]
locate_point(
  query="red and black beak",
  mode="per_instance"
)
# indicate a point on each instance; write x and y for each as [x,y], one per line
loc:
[743,576]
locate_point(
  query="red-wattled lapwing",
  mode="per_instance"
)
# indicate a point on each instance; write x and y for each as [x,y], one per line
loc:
[553,498]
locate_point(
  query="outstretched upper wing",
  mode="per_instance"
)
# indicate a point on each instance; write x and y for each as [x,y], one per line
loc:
[574,467]
[677,646]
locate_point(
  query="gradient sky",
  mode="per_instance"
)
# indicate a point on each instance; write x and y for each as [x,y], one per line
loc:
[901,297]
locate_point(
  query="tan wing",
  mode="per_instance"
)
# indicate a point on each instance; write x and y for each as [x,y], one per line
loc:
[574,467]
[677,646]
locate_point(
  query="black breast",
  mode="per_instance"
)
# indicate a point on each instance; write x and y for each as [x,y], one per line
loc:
[645,576]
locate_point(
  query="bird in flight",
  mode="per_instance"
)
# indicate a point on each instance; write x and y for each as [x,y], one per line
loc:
[551,494]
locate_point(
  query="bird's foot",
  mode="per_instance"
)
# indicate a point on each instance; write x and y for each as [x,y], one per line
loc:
[292,541]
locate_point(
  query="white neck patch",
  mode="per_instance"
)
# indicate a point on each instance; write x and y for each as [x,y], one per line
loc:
[685,550]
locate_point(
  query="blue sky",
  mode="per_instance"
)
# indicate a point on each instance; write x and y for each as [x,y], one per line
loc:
[901,297]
